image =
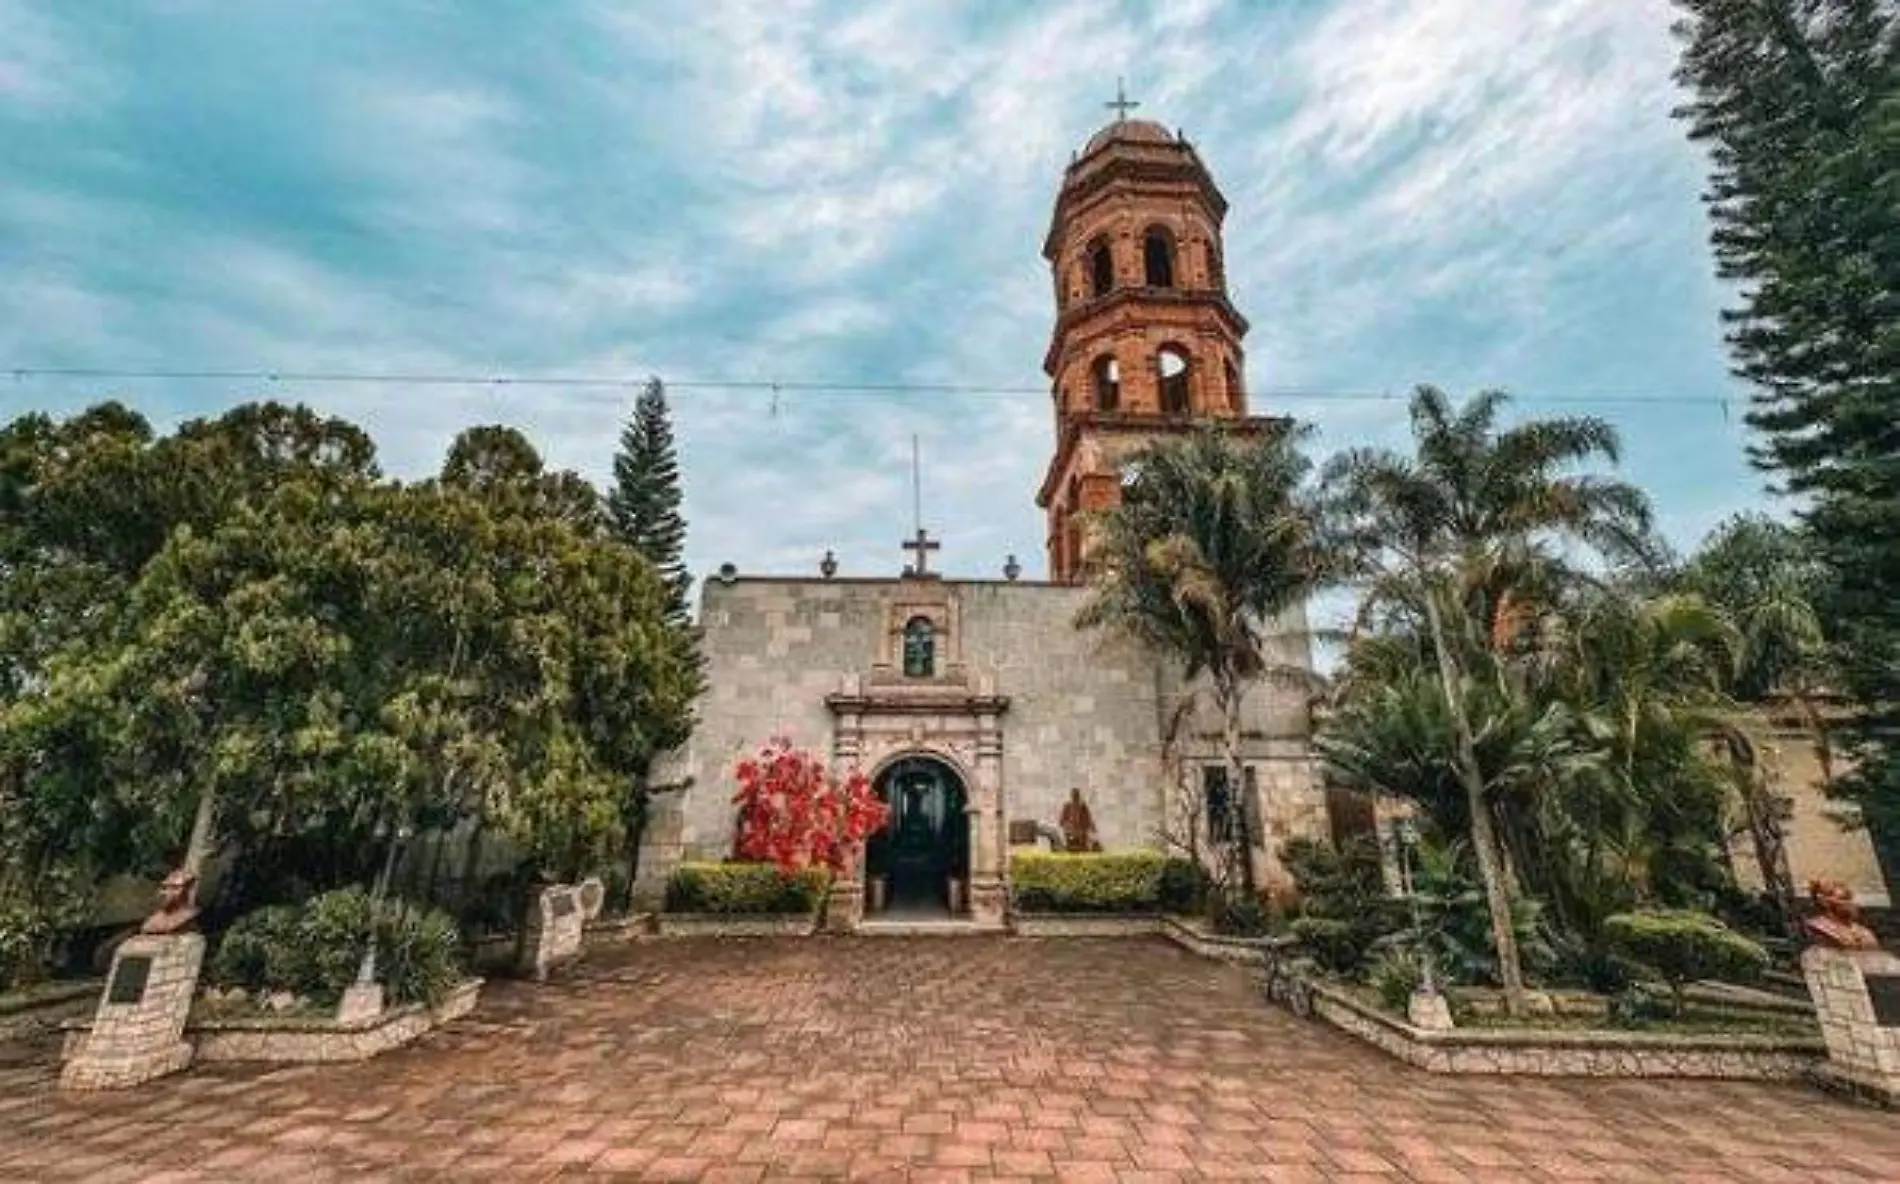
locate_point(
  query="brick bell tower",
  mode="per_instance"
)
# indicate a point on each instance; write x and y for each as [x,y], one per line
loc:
[1146,342]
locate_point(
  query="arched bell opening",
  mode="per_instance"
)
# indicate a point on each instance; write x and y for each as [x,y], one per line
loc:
[1172,362]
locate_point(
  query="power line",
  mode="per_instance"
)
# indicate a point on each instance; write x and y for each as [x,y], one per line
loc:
[771,386]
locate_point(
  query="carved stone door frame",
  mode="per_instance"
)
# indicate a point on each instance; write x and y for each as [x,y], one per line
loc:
[879,722]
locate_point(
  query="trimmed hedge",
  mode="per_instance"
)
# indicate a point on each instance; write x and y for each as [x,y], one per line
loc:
[1108,882]
[1682,947]
[734,889]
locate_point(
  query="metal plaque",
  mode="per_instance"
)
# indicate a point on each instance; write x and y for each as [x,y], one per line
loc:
[1884,991]
[128,979]
[562,904]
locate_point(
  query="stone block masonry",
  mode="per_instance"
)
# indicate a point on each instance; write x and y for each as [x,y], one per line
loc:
[1856,997]
[552,933]
[1085,709]
[138,1031]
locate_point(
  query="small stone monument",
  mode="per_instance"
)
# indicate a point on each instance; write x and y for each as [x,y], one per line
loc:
[1428,1008]
[551,934]
[1855,986]
[138,1030]
[593,897]
[362,1000]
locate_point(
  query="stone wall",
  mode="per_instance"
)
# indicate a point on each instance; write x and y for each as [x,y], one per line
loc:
[1085,709]
[289,1041]
[1569,1053]
[1863,1045]
[1825,838]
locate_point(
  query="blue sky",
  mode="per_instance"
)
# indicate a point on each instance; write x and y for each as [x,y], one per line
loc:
[1467,192]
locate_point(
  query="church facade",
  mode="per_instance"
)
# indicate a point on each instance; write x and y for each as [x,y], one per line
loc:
[976,706]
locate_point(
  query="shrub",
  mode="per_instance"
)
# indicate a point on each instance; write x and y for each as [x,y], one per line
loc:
[1682,947]
[1097,882]
[1241,915]
[1394,975]
[1456,922]
[1184,886]
[1337,945]
[313,950]
[735,888]
[1344,906]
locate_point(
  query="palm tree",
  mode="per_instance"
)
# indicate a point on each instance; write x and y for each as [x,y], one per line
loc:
[1215,538]
[1462,526]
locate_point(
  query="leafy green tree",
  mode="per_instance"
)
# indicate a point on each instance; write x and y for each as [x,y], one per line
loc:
[1798,104]
[1214,541]
[311,660]
[1456,536]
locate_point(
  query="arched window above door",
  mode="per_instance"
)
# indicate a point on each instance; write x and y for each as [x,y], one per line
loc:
[920,648]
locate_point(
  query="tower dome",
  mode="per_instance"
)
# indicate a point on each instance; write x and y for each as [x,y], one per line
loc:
[1131,131]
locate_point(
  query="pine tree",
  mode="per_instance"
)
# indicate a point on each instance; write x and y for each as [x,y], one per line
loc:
[644,507]
[1798,103]
[643,511]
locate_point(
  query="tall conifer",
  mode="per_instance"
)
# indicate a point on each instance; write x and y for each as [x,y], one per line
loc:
[643,511]
[1798,103]
[644,507]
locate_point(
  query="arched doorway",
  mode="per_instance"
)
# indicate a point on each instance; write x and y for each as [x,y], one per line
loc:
[926,844]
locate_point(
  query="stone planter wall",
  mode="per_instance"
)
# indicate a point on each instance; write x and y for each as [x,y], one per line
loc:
[736,925]
[1084,925]
[29,1014]
[312,1040]
[1565,1053]
[617,931]
[1242,951]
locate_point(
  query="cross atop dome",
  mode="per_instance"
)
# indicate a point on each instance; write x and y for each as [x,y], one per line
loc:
[1122,104]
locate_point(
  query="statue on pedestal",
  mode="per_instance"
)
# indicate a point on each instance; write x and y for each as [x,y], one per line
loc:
[1836,920]
[1078,825]
[177,905]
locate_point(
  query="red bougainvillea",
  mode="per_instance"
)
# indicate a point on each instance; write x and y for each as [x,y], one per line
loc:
[795,814]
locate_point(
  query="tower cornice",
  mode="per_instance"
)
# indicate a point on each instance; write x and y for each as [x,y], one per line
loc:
[1132,172]
[1073,322]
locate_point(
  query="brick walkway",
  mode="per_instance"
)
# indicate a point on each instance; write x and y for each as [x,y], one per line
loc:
[944,1058]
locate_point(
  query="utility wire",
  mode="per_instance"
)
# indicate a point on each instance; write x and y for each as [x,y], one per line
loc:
[774,387]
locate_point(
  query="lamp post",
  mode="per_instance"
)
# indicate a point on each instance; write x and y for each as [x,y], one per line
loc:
[366,969]
[1427,1007]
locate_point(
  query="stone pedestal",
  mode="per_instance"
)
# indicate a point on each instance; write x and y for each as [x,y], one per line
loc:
[361,1003]
[138,1031]
[1429,1010]
[844,909]
[592,893]
[987,901]
[1857,999]
[551,933]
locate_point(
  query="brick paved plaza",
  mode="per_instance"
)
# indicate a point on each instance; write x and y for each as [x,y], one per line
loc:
[924,1058]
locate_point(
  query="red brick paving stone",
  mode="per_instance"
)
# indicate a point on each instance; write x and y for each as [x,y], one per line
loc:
[1089,1060]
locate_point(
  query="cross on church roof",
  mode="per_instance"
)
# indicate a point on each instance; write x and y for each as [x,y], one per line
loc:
[1122,104]
[923,544]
